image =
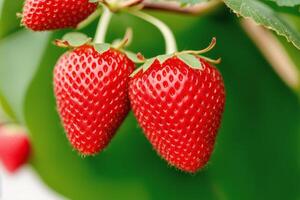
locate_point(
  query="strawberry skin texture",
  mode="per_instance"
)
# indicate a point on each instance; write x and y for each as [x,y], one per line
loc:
[42,15]
[179,110]
[14,149]
[91,92]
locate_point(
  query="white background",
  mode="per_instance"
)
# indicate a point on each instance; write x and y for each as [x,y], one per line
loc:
[24,185]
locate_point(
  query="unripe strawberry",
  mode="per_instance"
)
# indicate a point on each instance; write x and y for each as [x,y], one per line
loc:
[42,15]
[179,109]
[91,90]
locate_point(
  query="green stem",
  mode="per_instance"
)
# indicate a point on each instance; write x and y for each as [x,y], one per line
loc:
[103,26]
[170,41]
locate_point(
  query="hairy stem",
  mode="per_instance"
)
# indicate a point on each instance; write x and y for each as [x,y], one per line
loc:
[169,38]
[103,26]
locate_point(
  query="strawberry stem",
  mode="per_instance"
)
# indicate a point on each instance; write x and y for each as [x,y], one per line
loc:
[103,26]
[168,35]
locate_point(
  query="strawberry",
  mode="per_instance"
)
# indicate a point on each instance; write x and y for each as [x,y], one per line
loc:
[179,108]
[14,147]
[42,15]
[91,95]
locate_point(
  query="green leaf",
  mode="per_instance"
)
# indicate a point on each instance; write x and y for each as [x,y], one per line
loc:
[76,39]
[262,14]
[293,53]
[190,60]
[282,8]
[101,48]
[286,2]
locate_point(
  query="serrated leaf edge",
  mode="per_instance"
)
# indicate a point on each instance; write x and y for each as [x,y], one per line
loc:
[268,27]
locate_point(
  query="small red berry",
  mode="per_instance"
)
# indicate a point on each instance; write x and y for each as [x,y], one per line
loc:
[41,15]
[179,109]
[91,90]
[14,147]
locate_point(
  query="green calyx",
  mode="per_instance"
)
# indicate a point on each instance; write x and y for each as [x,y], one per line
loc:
[189,57]
[73,40]
[77,39]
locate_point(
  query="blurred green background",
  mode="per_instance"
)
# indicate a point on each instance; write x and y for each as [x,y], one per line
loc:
[257,154]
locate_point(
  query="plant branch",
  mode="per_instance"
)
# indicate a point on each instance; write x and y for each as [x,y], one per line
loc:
[197,9]
[130,3]
[171,6]
[274,52]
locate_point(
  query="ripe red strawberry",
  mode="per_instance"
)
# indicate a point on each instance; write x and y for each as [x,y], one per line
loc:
[179,109]
[14,147]
[41,15]
[91,90]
